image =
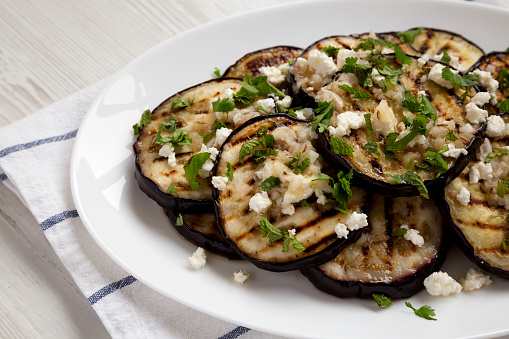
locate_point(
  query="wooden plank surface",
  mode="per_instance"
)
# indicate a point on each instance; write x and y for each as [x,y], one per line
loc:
[49,49]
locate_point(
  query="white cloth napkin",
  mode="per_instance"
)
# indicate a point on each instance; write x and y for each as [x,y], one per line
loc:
[35,157]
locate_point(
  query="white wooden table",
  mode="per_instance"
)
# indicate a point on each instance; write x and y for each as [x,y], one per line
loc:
[50,49]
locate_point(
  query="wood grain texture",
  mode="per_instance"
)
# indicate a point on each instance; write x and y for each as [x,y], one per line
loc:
[50,49]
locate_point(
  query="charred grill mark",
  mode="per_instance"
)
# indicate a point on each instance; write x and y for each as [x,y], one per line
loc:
[311,223]
[477,224]
[478,202]
[180,155]
[376,166]
[317,246]
[254,133]
[159,159]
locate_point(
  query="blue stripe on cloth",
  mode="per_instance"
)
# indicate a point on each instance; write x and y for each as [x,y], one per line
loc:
[58,218]
[3,177]
[35,143]
[110,289]
[235,333]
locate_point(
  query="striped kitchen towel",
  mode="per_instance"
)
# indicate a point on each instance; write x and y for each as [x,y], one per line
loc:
[35,155]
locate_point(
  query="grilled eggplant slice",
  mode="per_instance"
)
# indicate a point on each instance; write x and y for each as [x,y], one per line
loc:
[401,133]
[293,208]
[497,64]
[319,61]
[477,203]
[202,231]
[380,261]
[277,59]
[154,173]
[463,53]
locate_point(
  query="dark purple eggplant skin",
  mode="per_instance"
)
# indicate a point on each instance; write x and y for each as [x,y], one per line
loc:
[167,201]
[396,190]
[308,262]
[212,244]
[399,289]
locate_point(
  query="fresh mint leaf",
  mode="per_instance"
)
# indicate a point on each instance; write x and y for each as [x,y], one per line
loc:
[412,178]
[425,311]
[504,106]
[433,159]
[341,191]
[503,188]
[505,244]
[247,147]
[340,147]
[500,151]
[369,127]
[465,82]
[331,51]
[451,136]
[371,147]
[503,79]
[409,36]
[302,166]
[192,167]
[382,300]
[180,137]
[362,72]
[356,94]
[229,172]
[217,72]
[324,176]
[179,221]
[172,189]
[445,57]
[207,136]
[269,230]
[270,183]
[180,102]
[323,114]
[402,57]
[398,234]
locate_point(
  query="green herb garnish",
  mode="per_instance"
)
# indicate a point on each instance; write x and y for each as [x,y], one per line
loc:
[224,105]
[503,188]
[179,221]
[356,94]
[504,106]
[270,183]
[398,234]
[341,191]
[229,172]
[503,79]
[217,72]
[465,82]
[412,178]
[331,51]
[500,151]
[425,311]
[180,102]
[451,136]
[207,136]
[369,127]
[172,189]
[445,57]
[382,300]
[193,166]
[340,147]
[323,114]
[146,117]
[409,36]
[274,234]
[371,147]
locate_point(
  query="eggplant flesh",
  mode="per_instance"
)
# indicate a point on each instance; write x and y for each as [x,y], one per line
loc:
[495,63]
[463,53]
[477,212]
[387,115]
[279,57]
[379,262]
[202,231]
[307,77]
[313,221]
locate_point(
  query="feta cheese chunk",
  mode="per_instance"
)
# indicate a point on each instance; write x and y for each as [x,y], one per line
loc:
[480,99]
[221,135]
[496,126]
[383,120]
[198,259]
[356,221]
[168,151]
[480,171]
[260,202]
[241,276]
[341,230]
[346,121]
[463,196]
[475,114]
[454,152]
[435,74]
[487,82]
[474,280]
[413,236]
[209,164]
[273,74]
[321,63]
[219,182]
[440,283]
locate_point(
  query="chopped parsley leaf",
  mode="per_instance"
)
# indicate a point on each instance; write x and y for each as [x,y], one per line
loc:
[382,300]
[503,188]
[398,234]
[224,105]
[270,183]
[504,106]
[451,136]
[500,151]
[341,191]
[172,189]
[297,245]
[465,82]
[425,311]
[504,79]
[229,172]
[192,167]
[409,36]
[412,178]
[433,160]
[180,137]
[340,147]
[356,94]
[217,72]
[331,51]
[445,57]
[217,125]
[369,127]
[371,147]
[180,102]
[146,117]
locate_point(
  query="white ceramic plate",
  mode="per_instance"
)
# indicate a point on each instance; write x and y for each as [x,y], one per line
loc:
[135,233]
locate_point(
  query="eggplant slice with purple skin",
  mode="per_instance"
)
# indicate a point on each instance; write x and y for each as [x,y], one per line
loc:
[463,53]
[497,64]
[382,261]
[476,203]
[320,60]
[401,134]
[201,230]
[274,60]
[279,190]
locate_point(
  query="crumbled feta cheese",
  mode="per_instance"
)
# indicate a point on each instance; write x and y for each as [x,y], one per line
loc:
[413,236]
[321,63]
[285,102]
[298,189]
[292,232]
[496,126]
[484,150]
[423,60]
[454,152]
[480,171]
[346,121]
[273,74]
[435,74]
[305,113]
[480,99]
[198,259]
[219,182]
[204,171]
[260,202]
[341,230]
[266,104]
[440,283]
[463,196]
[356,221]
[383,119]
[474,280]
[475,114]
[168,151]
[376,76]
[241,276]
[221,135]
[487,82]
